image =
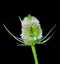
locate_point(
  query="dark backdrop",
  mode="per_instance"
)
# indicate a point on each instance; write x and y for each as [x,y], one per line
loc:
[47,14]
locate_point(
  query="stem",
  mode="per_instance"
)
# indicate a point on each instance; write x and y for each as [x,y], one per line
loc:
[34,54]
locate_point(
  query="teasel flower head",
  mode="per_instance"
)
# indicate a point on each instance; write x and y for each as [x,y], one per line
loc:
[31,30]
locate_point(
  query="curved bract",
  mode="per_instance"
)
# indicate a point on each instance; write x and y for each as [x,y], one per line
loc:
[17,38]
[48,33]
[31,32]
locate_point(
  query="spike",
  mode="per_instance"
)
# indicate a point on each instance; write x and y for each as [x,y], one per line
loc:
[11,33]
[42,42]
[49,32]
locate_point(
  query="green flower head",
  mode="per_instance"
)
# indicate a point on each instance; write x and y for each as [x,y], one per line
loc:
[31,30]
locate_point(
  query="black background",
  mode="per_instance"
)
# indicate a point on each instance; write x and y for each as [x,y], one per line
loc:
[47,14]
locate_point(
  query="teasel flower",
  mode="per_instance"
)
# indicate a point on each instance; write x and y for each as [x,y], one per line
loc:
[31,30]
[32,34]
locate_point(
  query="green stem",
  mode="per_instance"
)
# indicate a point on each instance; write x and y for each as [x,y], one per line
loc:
[34,54]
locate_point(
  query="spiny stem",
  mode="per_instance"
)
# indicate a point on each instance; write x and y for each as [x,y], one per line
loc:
[34,54]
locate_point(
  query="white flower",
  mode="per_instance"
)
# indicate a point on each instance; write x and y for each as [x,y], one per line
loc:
[28,23]
[40,36]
